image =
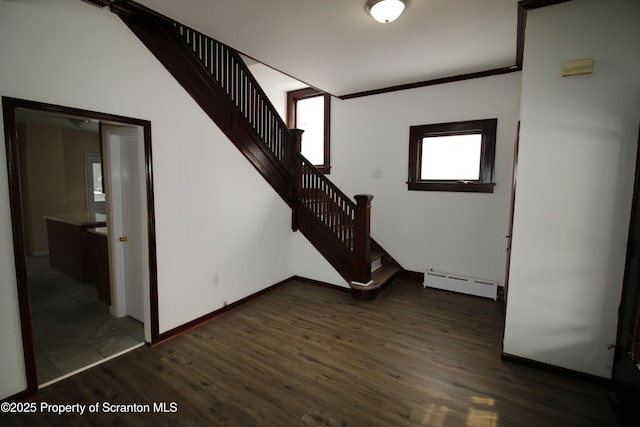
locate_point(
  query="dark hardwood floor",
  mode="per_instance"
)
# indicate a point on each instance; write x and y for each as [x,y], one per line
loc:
[306,355]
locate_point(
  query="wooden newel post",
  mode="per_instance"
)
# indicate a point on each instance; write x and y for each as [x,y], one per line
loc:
[362,238]
[294,168]
[295,147]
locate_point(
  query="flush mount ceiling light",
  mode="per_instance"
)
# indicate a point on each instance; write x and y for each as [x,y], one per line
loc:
[385,11]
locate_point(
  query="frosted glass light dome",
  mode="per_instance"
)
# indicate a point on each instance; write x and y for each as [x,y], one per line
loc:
[385,11]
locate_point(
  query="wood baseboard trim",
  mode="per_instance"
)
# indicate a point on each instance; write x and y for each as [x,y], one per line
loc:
[411,276]
[569,373]
[98,3]
[321,283]
[23,396]
[172,333]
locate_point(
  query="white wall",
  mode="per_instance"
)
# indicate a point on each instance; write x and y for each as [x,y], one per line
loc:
[275,85]
[465,233]
[70,53]
[575,180]
[460,233]
[12,370]
[308,262]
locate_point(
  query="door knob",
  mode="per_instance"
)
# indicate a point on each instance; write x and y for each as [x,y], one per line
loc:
[124,239]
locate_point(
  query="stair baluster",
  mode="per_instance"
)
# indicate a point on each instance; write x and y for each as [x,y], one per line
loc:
[221,83]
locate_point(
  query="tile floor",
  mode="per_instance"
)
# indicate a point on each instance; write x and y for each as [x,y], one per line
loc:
[71,327]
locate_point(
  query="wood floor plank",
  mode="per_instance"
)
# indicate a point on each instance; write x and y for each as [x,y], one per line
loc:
[305,355]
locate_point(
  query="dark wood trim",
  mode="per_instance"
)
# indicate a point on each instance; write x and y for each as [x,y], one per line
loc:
[361,271]
[320,283]
[166,336]
[172,333]
[387,259]
[296,95]
[433,82]
[72,111]
[295,168]
[512,205]
[486,180]
[522,25]
[537,4]
[316,220]
[411,276]
[9,106]
[326,243]
[625,384]
[173,45]
[151,233]
[98,3]
[121,8]
[453,186]
[162,39]
[523,7]
[22,396]
[569,373]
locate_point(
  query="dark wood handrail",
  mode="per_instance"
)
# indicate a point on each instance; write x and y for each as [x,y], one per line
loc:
[314,191]
[327,203]
[226,67]
[221,83]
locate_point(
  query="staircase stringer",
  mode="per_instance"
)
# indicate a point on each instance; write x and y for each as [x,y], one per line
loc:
[162,40]
[277,164]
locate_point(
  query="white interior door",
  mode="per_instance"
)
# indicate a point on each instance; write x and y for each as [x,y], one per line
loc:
[127,222]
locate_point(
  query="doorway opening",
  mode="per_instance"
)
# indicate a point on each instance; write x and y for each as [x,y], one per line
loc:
[84,236]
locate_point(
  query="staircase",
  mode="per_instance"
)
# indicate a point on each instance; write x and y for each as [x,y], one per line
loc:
[220,82]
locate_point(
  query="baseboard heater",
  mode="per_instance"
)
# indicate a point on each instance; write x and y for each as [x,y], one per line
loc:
[466,285]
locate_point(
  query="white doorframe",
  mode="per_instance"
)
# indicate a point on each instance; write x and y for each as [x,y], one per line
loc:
[119,181]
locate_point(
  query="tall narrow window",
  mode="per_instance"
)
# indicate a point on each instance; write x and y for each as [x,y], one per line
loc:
[310,110]
[453,156]
[94,184]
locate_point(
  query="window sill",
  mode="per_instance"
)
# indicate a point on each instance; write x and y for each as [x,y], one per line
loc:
[467,187]
[324,169]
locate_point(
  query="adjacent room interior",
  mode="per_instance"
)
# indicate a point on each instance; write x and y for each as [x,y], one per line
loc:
[65,225]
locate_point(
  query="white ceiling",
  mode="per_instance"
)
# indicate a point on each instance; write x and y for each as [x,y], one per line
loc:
[335,46]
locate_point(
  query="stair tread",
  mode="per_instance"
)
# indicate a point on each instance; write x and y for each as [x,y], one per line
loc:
[375,255]
[378,277]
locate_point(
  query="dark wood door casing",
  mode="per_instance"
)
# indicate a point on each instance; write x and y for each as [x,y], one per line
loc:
[9,107]
[626,373]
